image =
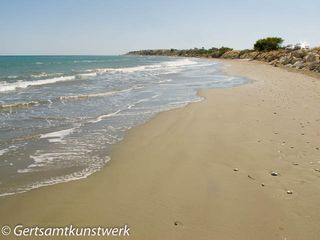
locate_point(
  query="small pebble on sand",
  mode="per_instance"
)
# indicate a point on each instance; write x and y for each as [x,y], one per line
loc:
[289,192]
[251,177]
[236,169]
[274,174]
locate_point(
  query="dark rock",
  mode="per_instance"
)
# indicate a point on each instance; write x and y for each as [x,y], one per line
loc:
[274,174]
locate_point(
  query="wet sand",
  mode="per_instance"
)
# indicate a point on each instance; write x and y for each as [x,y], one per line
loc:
[204,171]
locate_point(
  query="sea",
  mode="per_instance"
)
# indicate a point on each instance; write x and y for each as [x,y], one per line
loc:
[61,115]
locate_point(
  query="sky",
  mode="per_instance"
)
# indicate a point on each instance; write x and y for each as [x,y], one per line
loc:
[107,27]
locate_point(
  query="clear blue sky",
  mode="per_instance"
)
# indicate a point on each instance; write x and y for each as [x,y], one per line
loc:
[117,26]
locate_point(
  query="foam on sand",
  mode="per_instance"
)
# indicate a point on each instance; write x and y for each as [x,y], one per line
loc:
[98,164]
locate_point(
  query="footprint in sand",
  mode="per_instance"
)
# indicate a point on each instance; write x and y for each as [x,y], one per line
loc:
[177,223]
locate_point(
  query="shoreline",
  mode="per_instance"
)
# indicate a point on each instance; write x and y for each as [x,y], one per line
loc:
[182,168]
[71,178]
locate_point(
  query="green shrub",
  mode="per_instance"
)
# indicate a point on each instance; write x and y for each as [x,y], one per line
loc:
[268,44]
[216,53]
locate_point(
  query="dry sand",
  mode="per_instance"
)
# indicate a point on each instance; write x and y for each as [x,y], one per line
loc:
[174,178]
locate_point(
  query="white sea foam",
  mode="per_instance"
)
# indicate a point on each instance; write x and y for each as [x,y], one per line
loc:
[58,136]
[5,86]
[12,77]
[97,164]
[139,101]
[121,70]
[43,74]
[163,65]
[165,81]
[44,159]
[29,104]
[169,66]
[3,151]
[179,63]
[103,94]
[86,75]
[100,118]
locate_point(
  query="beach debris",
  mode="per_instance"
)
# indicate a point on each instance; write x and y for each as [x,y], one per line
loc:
[236,169]
[251,177]
[289,192]
[177,223]
[274,173]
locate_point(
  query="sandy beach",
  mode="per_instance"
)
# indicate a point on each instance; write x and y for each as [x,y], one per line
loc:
[204,171]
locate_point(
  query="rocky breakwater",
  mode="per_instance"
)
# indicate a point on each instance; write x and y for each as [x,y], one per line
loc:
[299,59]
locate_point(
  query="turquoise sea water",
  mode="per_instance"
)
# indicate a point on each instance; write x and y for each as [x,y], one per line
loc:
[60,115]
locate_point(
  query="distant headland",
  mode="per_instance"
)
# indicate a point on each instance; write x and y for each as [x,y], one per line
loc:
[270,50]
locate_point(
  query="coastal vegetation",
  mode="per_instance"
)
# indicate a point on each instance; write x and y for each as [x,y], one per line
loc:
[194,52]
[268,44]
[266,50]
